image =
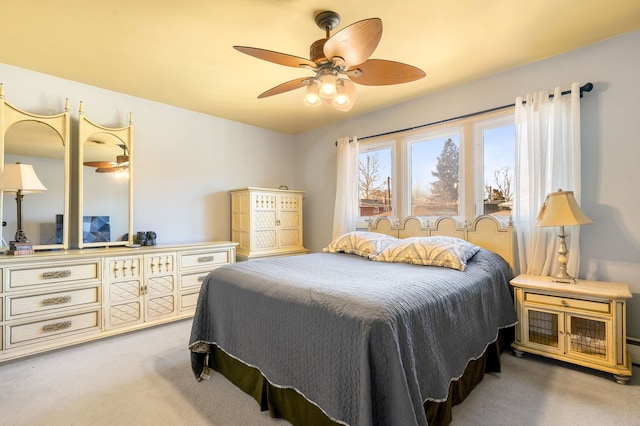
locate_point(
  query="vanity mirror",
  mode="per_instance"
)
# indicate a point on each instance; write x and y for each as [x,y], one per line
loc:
[105,184]
[43,142]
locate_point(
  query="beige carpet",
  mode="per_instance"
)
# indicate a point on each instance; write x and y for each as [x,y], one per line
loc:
[144,378]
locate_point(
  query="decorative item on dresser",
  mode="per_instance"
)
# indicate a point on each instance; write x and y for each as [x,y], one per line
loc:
[20,179]
[266,222]
[582,323]
[55,299]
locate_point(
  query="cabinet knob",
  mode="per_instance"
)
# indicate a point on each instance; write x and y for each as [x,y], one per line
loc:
[564,303]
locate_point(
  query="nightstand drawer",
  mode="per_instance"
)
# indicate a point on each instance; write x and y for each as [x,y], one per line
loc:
[567,302]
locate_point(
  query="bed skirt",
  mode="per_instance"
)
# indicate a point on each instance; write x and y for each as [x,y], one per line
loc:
[288,404]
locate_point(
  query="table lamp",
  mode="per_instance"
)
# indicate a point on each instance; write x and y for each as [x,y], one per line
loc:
[561,209]
[21,179]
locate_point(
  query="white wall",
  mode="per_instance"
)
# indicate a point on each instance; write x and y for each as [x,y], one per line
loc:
[185,162]
[610,150]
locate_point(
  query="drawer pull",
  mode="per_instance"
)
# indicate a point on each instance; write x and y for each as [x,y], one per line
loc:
[56,274]
[49,328]
[56,300]
[204,259]
[564,303]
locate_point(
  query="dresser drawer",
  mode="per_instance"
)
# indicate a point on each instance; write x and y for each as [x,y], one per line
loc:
[204,260]
[192,282]
[50,302]
[188,302]
[46,329]
[43,275]
[567,302]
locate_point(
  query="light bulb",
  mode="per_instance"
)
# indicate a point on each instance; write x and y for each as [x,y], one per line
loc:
[312,98]
[345,95]
[328,86]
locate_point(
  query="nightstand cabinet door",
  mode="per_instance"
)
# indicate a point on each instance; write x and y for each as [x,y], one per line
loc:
[543,329]
[589,338]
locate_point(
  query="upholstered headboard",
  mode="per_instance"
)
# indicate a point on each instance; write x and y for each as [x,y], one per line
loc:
[485,231]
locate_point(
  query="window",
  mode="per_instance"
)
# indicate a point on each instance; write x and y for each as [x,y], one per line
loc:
[495,140]
[461,168]
[375,191]
[435,167]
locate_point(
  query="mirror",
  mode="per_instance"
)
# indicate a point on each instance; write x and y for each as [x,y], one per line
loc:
[43,142]
[105,207]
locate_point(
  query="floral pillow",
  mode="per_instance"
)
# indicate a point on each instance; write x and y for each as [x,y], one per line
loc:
[361,243]
[448,252]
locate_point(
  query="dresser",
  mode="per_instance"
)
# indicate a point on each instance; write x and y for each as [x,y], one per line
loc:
[54,299]
[266,222]
[582,323]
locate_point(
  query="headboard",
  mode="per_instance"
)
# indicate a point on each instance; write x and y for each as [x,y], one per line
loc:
[485,231]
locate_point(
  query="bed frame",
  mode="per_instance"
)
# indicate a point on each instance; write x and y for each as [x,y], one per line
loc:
[485,231]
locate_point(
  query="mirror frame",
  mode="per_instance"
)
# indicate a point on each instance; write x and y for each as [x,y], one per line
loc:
[87,128]
[61,124]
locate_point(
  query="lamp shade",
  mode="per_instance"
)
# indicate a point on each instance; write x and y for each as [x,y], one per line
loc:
[561,209]
[21,177]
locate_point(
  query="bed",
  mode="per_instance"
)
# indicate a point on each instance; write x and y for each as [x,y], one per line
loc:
[356,338]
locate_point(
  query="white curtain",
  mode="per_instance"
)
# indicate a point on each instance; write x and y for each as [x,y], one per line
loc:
[547,159]
[346,206]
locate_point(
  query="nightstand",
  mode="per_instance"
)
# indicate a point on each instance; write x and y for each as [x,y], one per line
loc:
[582,323]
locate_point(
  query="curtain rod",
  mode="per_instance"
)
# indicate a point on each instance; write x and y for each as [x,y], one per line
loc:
[587,87]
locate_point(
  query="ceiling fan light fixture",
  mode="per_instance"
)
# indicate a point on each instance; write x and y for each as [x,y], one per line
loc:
[345,95]
[312,98]
[328,86]
[345,53]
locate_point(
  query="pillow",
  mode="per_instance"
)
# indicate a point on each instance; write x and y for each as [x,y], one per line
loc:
[449,252]
[362,243]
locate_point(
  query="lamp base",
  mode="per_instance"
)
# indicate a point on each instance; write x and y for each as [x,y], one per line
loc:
[564,279]
[20,248]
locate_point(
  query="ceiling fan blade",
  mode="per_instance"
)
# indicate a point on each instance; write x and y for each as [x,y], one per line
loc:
[285,87]
[100,164]
[276,57]
[380,72]
[355,43]
[112,168]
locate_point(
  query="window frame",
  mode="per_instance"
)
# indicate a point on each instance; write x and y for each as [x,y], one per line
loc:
[470,170]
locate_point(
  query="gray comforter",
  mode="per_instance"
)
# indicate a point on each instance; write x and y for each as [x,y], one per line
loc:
[366,341]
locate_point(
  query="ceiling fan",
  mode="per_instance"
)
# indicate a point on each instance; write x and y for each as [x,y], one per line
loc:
[338,61]
[121,164]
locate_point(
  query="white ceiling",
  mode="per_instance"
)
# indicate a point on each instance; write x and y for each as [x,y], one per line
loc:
[180,52]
